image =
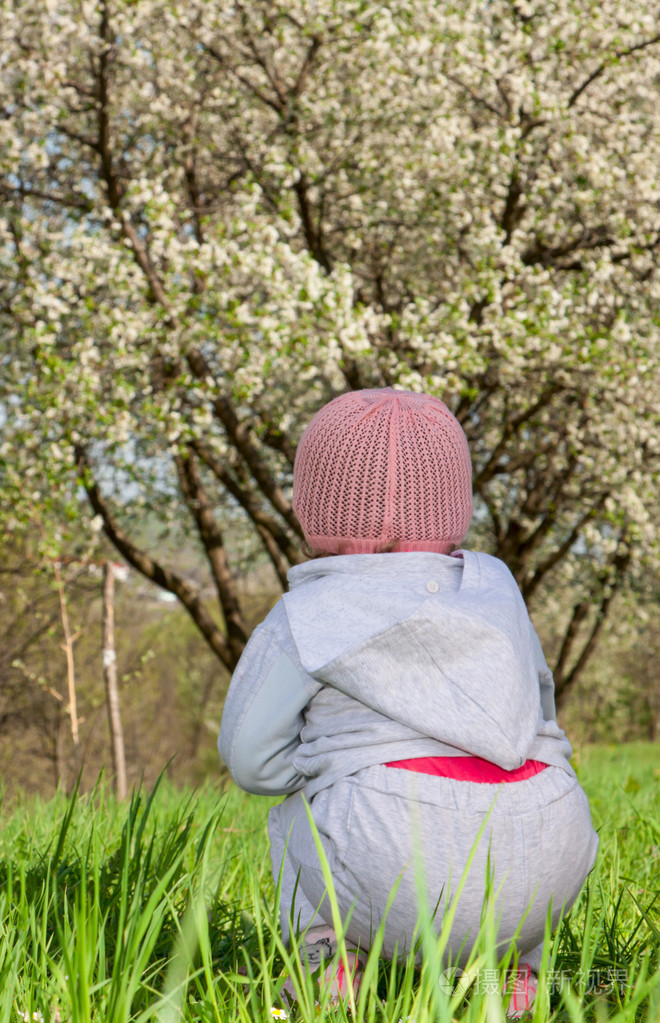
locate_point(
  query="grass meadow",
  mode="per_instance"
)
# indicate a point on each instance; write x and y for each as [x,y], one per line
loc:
[163,908]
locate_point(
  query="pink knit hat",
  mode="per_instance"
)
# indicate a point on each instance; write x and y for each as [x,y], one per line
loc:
[383,467]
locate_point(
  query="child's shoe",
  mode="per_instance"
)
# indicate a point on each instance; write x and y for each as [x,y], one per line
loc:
[320,943]
[522,985]
[318,946]
[335,980]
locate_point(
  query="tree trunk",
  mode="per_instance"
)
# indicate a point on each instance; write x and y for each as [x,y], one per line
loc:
[67,647]
[110,678]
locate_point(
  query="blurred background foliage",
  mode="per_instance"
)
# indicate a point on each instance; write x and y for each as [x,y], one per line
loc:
[171,686]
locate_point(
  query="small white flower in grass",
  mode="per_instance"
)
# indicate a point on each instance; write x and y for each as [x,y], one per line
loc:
[278,1013]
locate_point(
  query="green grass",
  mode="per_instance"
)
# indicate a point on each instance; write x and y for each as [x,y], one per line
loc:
[164,909]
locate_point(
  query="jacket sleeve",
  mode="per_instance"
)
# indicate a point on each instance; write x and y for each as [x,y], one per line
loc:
[546,681]
[263,712]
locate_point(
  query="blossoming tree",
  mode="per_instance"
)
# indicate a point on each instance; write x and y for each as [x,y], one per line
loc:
[215,217]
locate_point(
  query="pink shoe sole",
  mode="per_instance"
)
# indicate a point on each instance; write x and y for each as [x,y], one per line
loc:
[336,981]
[522,985]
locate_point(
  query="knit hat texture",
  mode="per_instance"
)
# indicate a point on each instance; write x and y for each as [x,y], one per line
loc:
[383,469]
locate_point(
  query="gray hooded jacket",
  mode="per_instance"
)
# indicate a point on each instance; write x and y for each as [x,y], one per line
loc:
[380,657]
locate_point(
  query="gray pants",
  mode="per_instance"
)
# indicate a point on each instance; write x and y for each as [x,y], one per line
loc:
[385,825]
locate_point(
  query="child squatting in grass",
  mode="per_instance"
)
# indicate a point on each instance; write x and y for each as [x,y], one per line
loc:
[399,687]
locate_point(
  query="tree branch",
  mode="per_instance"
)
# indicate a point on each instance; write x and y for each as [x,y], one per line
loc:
[530,585]
[103,120]
[190,171]
[475,97]
[238,435]
[618,54]
[211,536]
[72,202]
[546,255]
[278,441]
[511,427]
[565,679]
[271,74]
[288,553]
[306,67]
[277,106]
[150,568]
[312,233]
[512,213]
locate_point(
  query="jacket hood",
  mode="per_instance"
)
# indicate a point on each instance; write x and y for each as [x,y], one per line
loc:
[442,644]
